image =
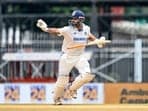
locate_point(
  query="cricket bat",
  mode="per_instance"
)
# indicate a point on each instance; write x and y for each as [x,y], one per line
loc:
[95,42]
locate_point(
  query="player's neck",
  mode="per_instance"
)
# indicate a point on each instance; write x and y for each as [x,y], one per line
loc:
[79,27]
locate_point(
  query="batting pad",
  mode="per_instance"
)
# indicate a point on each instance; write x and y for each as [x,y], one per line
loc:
[59,86]
[81,80]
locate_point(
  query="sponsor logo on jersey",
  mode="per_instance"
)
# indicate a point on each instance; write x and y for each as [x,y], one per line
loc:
[80,39]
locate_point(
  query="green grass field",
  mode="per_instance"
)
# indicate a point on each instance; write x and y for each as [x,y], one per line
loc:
[46,107]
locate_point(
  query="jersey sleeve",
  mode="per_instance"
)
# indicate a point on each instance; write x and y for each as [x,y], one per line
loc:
[62,30]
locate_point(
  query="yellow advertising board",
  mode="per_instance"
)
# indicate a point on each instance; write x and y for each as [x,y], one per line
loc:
[126,93]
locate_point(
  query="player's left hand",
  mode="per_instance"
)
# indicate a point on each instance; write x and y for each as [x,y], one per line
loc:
[42,25]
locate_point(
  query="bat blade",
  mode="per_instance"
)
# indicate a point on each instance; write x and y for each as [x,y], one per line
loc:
[90,43]
[76,46]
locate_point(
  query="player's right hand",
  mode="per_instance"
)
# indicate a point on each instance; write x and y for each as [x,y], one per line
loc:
[101,42]
[42,25]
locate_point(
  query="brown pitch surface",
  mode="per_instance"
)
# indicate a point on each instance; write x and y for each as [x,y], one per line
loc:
[74,107]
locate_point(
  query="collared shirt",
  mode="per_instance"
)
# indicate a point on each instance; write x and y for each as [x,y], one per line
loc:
[72,36]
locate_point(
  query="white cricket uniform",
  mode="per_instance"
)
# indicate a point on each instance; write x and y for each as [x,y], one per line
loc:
[73,57]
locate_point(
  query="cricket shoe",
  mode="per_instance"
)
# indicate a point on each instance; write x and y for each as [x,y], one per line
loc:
[73,94]
[58,101]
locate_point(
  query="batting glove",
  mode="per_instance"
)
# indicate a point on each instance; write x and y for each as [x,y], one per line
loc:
[101,42]
[42,25]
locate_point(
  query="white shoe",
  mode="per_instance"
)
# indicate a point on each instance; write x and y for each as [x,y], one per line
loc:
[58,101]
[73,94]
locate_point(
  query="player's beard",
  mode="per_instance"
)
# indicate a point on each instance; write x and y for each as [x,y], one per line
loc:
[78,24]
[74,23]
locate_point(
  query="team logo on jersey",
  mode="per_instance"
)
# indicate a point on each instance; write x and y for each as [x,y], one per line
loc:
[85,33]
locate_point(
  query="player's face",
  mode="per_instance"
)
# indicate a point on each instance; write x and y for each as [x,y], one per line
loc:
[75,21]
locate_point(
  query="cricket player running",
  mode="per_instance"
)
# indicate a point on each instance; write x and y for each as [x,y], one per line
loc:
[74,34]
